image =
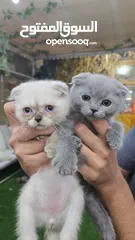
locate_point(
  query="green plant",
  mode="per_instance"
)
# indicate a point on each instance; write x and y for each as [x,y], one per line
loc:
[4,48]
[28,11]
[7,14]
[50,6]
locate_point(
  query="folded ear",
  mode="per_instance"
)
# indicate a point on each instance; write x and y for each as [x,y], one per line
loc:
[122,91]
[14,94]
[61,88]
[78,79]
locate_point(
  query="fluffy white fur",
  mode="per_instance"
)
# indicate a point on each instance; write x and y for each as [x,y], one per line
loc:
[47,199]
[53,201]
[37,95]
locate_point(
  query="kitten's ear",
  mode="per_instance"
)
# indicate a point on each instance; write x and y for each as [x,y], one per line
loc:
[122,91]
[78,79]
[14,94]
[61,88]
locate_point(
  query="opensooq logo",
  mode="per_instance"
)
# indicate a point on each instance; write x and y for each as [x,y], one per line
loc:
[64,30]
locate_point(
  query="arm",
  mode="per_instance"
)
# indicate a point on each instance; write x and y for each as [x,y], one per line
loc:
[120,203]
[102,170]
[124,172]
[126,154]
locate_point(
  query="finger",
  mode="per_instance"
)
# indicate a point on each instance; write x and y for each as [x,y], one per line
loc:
[88,154]
[91,140]
[43,159]
[9,110]
[31,166]
[101,127]
[30,147]
[24,134]
[84,170]
[46,132]
[92,159]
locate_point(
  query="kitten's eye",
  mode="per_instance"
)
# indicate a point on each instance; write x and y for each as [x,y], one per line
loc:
[86,98]
[106,103]
[49,108]
[27,110]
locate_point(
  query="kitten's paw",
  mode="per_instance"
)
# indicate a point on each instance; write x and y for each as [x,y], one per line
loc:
[64,167]
[50,152]
[50,147]
[114,135]
[77,144]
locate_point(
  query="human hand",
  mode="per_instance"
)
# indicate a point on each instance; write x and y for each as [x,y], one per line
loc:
[101,168]
[30,152]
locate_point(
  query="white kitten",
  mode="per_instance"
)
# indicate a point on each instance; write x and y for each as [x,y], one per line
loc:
[47,199]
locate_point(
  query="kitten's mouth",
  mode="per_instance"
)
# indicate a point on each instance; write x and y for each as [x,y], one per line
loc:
[94,116]
[40,126]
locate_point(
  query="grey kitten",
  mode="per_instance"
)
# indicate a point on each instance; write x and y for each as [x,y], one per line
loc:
[92,96]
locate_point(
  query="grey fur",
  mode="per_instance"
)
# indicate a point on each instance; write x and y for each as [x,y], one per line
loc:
[99,88]
[98,212]
[66,141]
[114,135]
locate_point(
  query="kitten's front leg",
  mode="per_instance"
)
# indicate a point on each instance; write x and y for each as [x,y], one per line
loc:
[115,134]
[50,147]
[77,144]
[63,148]
[65,161]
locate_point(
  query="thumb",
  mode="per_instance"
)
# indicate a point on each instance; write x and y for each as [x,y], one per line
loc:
[9,109]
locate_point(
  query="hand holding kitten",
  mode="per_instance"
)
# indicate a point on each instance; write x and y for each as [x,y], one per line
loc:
[29,151]
[101,167]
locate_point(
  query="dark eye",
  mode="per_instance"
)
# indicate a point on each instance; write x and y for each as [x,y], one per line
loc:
[86,98]
[106,103]
[27,110]
[49,108]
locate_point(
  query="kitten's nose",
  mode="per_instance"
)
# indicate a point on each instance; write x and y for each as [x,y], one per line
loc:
[94,110]
[38,118]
